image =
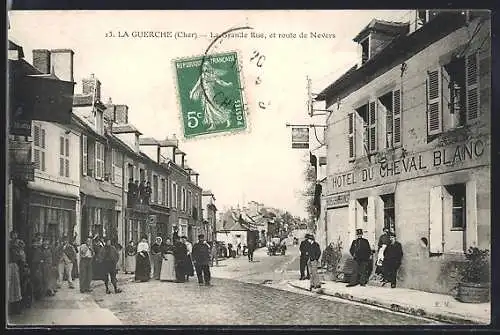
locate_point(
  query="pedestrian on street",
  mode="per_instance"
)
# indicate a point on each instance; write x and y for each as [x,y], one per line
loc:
[14,278]
[86,255]
[189,261]
[36,266]
[214,259]
[383,242]
[142,263]
[66,257]
[97,271]
[108,257]
[201,257]
[74,272]
[168,262]
[130,254]
[251,248]
[49,271]
[392,260]
[361,252]
[180,254]
[313,262]
[156,258]
[304,257]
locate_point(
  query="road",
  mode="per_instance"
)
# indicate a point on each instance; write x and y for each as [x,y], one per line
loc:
[243,293]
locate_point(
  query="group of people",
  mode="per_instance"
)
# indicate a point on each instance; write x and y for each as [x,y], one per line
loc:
[310,253]
[389,256]
[139,192]
[169,260]
[38,271]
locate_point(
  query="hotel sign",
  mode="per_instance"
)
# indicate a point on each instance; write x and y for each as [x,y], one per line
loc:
[437,160]
[337,200]
[300,138]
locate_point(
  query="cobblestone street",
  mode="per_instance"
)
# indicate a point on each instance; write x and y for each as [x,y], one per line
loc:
[236,299]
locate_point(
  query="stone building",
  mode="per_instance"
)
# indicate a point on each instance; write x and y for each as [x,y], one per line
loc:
[408,143]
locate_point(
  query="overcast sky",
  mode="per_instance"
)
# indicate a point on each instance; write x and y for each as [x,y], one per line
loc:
[257,165]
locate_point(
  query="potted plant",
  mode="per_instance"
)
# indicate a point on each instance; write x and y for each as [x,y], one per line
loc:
[474,277]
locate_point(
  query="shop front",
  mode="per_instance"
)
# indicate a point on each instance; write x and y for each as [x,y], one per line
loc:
[99,217]
[52,215]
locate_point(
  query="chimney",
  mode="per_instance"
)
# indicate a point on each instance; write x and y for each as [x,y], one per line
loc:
[41,60]
[109,113]
[62,62]
[121,114]
[89,84]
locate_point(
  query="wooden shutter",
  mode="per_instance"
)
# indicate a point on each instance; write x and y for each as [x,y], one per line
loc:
[351,226]
[36,145]
[396,117]
[97,169]
[370,226]
[84,155]
[472,86]
[372,127]
[436,220]
[61,156]
[434,103]
[471,214]
[42,144]
[351,128]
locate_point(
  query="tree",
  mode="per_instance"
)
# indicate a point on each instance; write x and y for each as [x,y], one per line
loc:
[308,195]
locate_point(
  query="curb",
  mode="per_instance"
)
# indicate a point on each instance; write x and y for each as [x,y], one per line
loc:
[401,308]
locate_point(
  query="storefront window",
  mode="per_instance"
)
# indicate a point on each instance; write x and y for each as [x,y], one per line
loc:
[389,213]
[364,206]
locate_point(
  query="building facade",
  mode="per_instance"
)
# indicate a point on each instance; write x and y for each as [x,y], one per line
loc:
[408,143]
[209,215]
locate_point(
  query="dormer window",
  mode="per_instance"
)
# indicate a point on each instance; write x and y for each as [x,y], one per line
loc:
[99,122]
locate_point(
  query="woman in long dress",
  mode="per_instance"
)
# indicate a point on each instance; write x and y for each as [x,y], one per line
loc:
[14,279]
[48,273]
[156,257]
[168,262]
[142,265]
[131,253]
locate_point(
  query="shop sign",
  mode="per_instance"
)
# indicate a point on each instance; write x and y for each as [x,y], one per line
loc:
[300,138]
[337,200]
[438,160]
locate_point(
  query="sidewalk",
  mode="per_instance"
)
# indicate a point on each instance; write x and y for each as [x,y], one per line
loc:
[67,307]
[430,305]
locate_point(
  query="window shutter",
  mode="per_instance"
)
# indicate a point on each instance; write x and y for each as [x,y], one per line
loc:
[372,127]
[97,156]
[102,160]
[42,160]
[434,108]
[352,221]
[61,166]
[36,158]
[66,168]
[370,227]
[61,146]
[436,220]
[396,106]
[66,143]
[36,136]
[351,125]
[472,86]
[84,155]
[471,214]
[43,138]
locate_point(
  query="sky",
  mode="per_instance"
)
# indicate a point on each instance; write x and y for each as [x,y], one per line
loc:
[258,164]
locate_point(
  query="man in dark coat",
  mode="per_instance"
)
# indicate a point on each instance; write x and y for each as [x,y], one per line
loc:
[313,262]
[383,242]
[108,257]
[361,252]
[304,257]
[393,254]
[201,258]
[180,255]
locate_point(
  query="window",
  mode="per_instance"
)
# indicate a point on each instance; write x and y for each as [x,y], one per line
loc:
[365,50]
[99,160]
[190,202]
[364,210]
[389,108]
[85,155]
[39,148]
[117,162]
[457,193]
[183,199]
[453,94]
[162,191]
[389,213]
[63,156]
[366,117]
[174,195]
[155,189]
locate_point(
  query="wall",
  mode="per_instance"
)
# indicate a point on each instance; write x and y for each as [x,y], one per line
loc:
[151,151]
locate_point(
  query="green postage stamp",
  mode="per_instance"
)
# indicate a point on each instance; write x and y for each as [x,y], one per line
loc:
[210,94]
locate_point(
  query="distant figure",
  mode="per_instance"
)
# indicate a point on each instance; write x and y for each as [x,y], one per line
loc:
[65,258]
[201,257]
[108,257]
[86,255]
[189,271]
[142,263]
[392,260]
[304,257]
[361,252]
[180,254]
[251,248]
[156,257]
[131,252]
[168,262]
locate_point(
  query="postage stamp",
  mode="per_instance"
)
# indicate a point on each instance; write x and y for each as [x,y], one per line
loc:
[210,94]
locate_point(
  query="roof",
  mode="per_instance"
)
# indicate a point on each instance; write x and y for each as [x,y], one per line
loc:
[148,141]
[386,27]
[180,152]
[397,51]
[207,192]
[87,100]
[125,128]
[14,46]
[169,142]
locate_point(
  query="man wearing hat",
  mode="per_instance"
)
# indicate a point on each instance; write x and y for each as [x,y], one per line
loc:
[65,258]
[313,262]
[201,258]
[361,252]
[304,257]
